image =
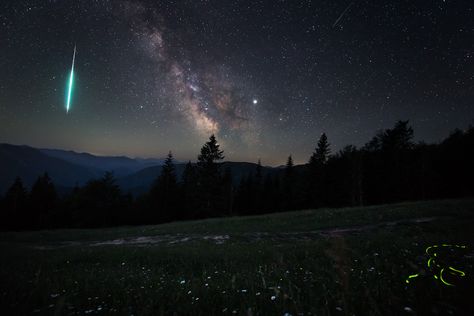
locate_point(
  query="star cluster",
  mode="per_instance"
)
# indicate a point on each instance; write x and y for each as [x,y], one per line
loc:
[267,77]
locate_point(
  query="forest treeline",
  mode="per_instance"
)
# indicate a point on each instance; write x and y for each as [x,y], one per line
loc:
[389,168]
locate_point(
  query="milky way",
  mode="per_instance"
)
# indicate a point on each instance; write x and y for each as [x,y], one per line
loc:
[210,100]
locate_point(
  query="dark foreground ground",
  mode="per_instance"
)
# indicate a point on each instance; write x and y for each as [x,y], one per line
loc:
[352,261]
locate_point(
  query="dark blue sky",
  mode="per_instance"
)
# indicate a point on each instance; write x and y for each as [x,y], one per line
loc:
[267,77]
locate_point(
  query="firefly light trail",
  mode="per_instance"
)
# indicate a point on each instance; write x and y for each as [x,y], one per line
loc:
[435,264]
[71,80]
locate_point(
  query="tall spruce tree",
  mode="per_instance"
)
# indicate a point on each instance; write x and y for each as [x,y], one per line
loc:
[42,201]
[315,189]
[209,176]
[15,203]
[167,177]
[164,192]
[289,184]
[322,152]
[210,155]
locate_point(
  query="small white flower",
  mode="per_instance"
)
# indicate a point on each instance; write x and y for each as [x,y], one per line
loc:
[182,282]
[257,294]
[273,297]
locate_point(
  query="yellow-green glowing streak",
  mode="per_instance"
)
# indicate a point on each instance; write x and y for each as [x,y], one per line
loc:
[71,81]
[442,280]
[461,273]
[411,277]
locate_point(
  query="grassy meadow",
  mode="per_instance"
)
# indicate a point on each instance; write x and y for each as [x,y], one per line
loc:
[350,261]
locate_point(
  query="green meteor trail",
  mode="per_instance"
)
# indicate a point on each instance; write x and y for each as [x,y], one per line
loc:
[71,80]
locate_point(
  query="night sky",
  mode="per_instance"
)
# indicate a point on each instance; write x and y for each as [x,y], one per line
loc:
[267,77]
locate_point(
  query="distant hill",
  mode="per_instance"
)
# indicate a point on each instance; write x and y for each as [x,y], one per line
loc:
[68,168]
[120,165]
[28,163]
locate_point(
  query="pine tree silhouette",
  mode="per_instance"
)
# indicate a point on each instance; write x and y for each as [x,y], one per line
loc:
[15,203]
[289,184]
[322,152]
[209,183]
[316,190]
[42,201]
[164,192]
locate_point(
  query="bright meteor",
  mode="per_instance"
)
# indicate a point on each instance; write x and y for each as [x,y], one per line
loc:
[71,80]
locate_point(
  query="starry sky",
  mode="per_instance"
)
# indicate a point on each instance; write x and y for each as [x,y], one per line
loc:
[267,77]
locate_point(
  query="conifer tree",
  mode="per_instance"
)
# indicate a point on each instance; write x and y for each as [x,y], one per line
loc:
[322,152]
[167,177]
[315,195]
[164,192]
[15,203]
[42,201]
[210,155]
[209,183]
[289,184]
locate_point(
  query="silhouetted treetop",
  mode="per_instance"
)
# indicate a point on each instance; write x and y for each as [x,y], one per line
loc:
[322,152]
[289,162]
[400,137]
[16,194]
[43,190]
[210,152]
[168,170]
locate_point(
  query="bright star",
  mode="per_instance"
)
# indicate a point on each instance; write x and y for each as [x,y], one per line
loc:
[255,101]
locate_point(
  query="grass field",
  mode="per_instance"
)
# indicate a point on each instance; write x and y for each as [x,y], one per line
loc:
[352,261]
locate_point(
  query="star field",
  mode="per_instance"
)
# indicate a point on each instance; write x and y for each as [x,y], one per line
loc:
[267,77]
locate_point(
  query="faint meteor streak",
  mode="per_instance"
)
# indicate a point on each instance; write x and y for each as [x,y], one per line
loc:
[342,14]
[71,80]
